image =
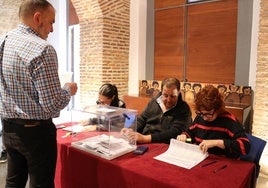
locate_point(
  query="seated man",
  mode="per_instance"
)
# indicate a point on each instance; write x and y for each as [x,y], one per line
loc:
[165,116]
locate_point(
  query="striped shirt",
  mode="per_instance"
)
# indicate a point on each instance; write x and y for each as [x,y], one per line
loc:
[225,127]
[29,82]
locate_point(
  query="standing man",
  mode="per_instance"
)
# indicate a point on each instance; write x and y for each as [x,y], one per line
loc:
[30,96]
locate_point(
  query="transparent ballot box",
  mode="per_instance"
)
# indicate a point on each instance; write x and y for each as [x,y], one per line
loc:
[97,129]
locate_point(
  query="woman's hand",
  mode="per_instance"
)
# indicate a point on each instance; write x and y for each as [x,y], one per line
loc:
[206,144]
[182,137]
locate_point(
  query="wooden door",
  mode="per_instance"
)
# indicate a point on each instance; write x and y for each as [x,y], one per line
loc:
[169,43]
[196,42]
[211,42]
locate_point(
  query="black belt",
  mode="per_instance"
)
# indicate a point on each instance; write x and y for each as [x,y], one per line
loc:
[27,122]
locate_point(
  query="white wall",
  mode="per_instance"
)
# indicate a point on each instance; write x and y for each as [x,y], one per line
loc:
[59,37]
[138,11]
[254,43]
[60,40]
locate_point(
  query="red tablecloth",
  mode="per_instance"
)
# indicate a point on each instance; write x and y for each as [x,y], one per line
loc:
[79,169]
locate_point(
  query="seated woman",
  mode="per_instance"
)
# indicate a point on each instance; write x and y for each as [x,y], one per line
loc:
[108,95]
[214,129]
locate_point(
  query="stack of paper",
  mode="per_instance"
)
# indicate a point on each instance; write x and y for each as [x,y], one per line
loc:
[182,154]
[105,146]
[80,128]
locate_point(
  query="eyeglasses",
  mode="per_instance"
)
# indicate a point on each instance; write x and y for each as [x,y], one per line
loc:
[100,102]
[208,115]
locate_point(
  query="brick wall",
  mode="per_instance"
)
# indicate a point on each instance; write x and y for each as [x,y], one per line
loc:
[260,117]
[104,40]
[8,15]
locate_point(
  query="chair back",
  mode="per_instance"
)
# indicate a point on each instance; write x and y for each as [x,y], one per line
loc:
[256,148]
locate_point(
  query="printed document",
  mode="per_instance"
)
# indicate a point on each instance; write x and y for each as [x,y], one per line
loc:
[182,154]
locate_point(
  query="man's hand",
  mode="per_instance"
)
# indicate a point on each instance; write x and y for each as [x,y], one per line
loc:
[72,86]
[133,136]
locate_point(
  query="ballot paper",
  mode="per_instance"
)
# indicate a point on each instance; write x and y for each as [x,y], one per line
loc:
[80,128]
[105,110]
[105,146]
[182,154]
[65,77]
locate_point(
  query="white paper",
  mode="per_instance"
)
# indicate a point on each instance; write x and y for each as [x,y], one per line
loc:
[105,110]
[80,128]
[182,154]
[105,146]
[65,77]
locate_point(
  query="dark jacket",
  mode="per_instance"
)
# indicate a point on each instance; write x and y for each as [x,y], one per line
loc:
[164,126]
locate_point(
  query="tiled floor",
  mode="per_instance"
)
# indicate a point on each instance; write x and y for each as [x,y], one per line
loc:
[262,181]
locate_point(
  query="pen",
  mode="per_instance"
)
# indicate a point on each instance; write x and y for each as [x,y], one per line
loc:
[221,168]
[209,163]
[68,134]
[126,116]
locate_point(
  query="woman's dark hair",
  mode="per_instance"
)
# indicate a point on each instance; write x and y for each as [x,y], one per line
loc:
[110,91]
[209,98]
